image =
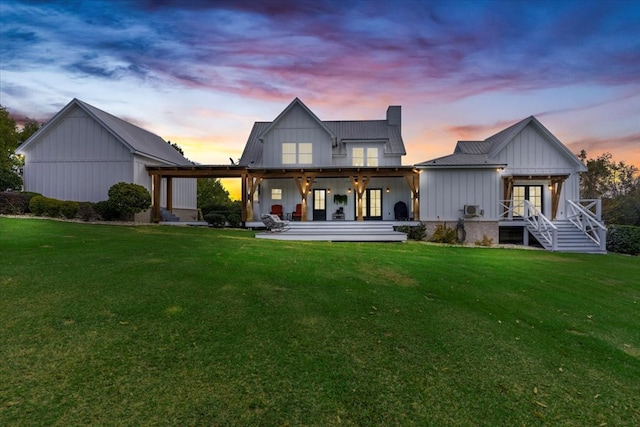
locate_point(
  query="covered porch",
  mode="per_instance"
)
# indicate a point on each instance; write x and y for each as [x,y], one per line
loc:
[304,179]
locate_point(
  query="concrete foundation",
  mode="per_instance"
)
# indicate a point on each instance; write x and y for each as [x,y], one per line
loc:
[475,230]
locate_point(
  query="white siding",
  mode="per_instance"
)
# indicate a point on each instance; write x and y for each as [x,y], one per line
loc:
[297,126]
[184,189]
[444,192]
[77,160]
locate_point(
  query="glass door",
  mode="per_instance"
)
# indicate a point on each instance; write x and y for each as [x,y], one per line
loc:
[320,205]
[532,193]
[372,204]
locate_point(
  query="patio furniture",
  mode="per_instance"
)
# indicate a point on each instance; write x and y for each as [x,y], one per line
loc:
[401,212]
[277,210]
[297,214]
[338,215]
[274,223]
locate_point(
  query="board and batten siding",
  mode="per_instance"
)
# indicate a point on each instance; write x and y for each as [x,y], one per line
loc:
[444,192]
[295,127]
[77,160]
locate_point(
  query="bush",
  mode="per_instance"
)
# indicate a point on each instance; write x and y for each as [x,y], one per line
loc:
[12,203]
[69,209]
[45,206]
[215,219]
[30,195]
[128,199]
[417,232]
[37,205]
[234,220]
[444,234]
[486,241]
[623,239]
[105,211]
[86,211]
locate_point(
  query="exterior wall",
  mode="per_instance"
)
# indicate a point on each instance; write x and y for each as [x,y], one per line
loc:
[77,160]
[184,189]
[297,126]
[475,230]
[444,192]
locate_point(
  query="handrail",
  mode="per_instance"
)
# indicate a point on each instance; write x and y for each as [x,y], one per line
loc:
[508,207]
[586,220]
[540,223]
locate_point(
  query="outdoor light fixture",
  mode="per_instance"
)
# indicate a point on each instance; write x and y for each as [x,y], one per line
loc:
[388,190]
[328,191]
[349,190]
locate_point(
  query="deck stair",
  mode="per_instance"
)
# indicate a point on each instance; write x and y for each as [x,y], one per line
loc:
[167,216]
[338,231]
[569,238]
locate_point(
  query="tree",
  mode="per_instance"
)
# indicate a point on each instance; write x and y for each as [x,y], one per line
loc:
[9,163]
[211,193]
[617,184]
[30,127]
[176,147]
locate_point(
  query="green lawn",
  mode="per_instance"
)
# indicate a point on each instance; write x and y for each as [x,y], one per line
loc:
[156,325]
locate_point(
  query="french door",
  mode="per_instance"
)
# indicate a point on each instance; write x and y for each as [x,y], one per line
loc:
[320,205]
[532,193]
[372,204]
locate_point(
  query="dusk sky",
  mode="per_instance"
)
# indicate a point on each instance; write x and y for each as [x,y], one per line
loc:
[199,73]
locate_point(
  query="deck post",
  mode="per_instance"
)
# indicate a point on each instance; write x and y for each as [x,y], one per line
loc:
[155,207]
[170,194]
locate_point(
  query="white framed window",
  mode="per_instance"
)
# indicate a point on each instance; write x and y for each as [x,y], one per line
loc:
[289,153]
[357,156]
[297,153]
[361,156]
[276,194]
[305,153]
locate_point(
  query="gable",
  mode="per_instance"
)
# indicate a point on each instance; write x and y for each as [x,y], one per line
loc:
[75,136]
[534,150]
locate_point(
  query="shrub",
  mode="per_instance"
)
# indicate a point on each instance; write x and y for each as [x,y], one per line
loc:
[105,211]
[486,241]
[128,199]
[69,209]
[52,207]
[444,234]
[37,205]
[233,219]
[623,239]
[13,203]
[215,219]
[416,232]
[30,195]
[86,211]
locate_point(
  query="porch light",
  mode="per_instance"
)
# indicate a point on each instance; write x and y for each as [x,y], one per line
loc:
[550,187]
[349,190]
[500,169]
[328,191]
[388,190]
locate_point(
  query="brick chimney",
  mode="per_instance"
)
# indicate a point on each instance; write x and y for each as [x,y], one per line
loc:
[394,115]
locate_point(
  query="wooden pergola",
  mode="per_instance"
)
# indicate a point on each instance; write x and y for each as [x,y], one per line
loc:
[303,177]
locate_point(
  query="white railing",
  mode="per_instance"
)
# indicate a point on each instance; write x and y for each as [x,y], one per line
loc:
[585,215]
[540,223]
[507,207]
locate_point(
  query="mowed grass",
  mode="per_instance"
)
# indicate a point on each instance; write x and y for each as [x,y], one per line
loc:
[155,325]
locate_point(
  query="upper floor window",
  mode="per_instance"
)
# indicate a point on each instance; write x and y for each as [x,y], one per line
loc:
[364,156]
[297,153]
[276,194]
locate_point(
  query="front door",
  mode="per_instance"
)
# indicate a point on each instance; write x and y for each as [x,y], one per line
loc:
[532,193]
[372,204]
[320,205]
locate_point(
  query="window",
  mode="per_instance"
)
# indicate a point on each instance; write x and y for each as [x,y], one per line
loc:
[276,194]
[289,153]
[364,156]
[297,153]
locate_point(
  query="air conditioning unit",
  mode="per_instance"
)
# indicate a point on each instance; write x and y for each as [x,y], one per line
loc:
[472,210]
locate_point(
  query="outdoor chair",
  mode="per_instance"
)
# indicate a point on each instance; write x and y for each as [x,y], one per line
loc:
[297,215]
[277,210]
[401,212]
[274,223]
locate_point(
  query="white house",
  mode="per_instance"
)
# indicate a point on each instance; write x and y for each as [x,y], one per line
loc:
[307,169]
[82,151]
[519,182]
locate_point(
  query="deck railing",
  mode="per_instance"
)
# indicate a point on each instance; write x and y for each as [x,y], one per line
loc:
[540,223]
[507,207]
[585,215]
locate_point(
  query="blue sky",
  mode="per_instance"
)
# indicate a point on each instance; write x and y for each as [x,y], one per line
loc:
[199,73]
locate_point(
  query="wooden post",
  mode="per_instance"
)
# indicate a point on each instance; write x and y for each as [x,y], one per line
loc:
[414,185]
[170,194]
[155,207]
[304,184]
[360,184]
[244,217]
[556,189]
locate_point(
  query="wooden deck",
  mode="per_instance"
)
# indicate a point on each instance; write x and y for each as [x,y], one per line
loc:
[338,231]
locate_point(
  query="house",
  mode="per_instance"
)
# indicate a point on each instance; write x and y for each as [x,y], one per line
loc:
[518,184]
[82,151]
[304,168]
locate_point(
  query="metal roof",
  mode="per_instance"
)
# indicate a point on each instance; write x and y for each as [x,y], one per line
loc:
[467,160]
